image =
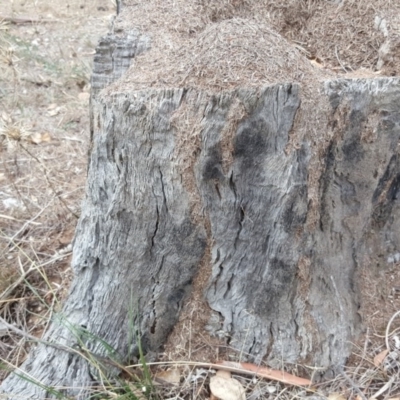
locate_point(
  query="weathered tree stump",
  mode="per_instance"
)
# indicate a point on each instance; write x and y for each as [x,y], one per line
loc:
[249,201]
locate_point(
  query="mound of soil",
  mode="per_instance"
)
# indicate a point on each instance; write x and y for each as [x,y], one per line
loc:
[236,43]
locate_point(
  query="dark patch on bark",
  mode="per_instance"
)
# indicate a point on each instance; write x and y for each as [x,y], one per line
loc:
[391,169]
[348,194]
[212,167]
[352,150]
[251,142]
[324,183]
[334,100]
[295,214]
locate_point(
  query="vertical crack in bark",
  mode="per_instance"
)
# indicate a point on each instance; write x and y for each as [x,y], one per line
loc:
[252,345]
[228,286]
[187,121]
[163,190]
[217,190]
[155,228]
[95,272]
[236,114]
[154,324]
[271,340]
[232,185]
[155,283]
[240,225]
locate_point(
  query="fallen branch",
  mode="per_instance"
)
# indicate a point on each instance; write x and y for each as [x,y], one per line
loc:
[387,334]
[239,368]
[265,372]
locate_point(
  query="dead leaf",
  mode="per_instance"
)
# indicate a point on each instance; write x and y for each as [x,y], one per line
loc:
[227,388]
[336,396]
[271,389]
[37,137]
[66,237]
[6,118]
[268,373]
[84,96]
[53,109]
[316,63]
[172,376]
[378,359]
[54,112]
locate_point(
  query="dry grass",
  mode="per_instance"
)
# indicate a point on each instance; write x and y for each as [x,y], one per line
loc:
[46,52]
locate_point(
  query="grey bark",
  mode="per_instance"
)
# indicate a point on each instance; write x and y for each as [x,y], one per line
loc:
[281,290]
[114,55]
